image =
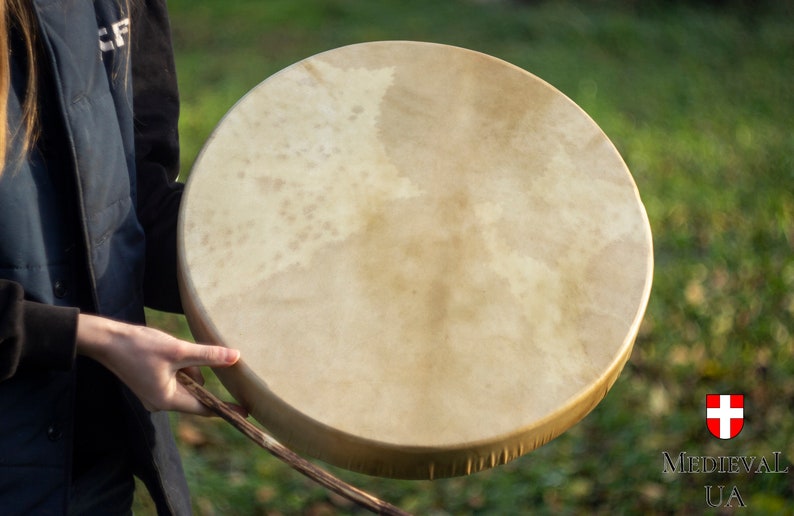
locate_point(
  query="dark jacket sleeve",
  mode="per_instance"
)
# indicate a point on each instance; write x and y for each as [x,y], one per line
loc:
[156,108]
[34,335]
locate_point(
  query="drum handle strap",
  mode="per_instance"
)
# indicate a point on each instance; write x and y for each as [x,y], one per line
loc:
[283,453]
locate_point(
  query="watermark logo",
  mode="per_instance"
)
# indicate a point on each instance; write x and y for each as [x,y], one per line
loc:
[724,419]
[725,414]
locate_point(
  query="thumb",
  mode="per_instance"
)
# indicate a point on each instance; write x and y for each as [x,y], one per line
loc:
[209,355]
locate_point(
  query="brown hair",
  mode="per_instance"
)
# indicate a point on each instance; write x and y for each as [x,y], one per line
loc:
[17,14]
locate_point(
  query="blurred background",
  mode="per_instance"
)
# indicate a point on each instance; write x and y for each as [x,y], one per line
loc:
[698,98]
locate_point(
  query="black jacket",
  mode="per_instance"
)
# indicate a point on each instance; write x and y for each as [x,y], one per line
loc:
[87,221]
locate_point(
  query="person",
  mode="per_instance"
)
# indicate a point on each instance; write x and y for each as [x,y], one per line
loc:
[88,210]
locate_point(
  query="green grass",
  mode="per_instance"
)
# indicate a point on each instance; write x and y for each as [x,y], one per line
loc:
[700,102]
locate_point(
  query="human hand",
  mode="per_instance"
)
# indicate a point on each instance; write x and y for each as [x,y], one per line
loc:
[147,360]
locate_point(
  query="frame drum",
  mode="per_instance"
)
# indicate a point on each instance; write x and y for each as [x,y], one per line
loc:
[431,260]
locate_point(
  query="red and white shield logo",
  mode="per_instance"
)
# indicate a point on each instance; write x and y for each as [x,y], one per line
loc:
[725,414]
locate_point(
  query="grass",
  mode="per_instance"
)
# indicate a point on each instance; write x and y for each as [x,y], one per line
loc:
[699,100]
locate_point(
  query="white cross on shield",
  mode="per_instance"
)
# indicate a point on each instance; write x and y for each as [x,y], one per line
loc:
[725,414]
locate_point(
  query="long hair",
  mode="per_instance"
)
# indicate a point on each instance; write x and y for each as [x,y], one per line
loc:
[17,14]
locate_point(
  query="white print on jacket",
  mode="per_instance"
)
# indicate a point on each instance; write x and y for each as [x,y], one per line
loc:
[113,39]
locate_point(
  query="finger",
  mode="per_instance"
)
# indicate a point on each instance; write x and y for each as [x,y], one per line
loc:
[184,401]
[195,374]
[187,405]
[207,355]
[213,405]
[180,401]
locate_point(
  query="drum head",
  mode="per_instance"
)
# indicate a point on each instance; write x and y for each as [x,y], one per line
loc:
[431,260]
